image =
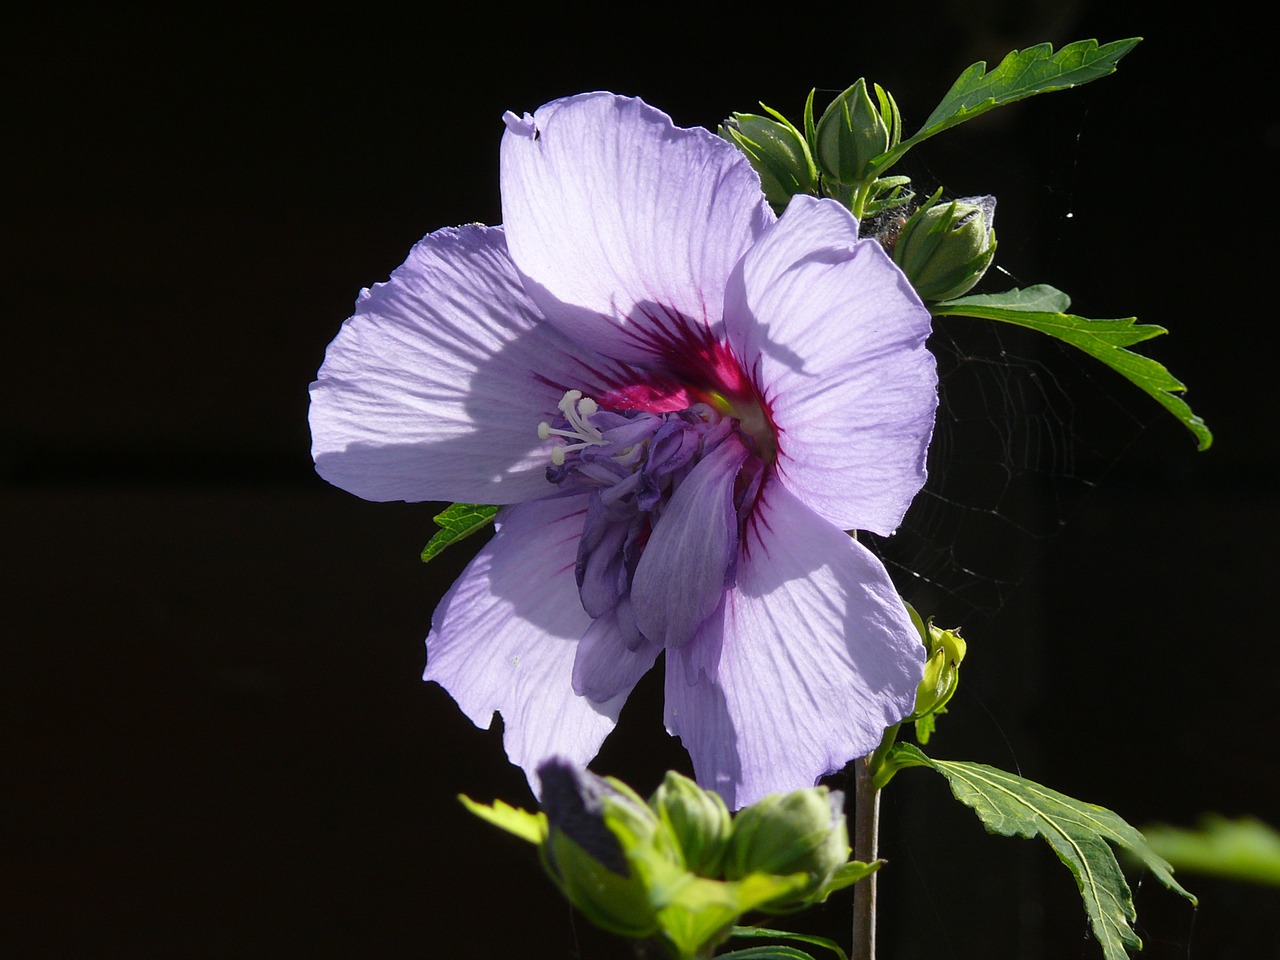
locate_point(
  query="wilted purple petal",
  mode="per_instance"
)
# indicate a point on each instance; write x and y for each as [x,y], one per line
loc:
[605,666]
[601,567]
[683,570]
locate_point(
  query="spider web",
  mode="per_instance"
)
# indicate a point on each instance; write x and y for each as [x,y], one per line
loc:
[1026,428]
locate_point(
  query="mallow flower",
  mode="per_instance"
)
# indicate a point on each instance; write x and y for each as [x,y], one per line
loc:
[682,403]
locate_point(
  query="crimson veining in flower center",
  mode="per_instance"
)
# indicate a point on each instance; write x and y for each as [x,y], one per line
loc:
[691,365]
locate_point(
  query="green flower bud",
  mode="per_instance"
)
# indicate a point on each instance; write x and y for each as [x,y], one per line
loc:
[697,819]
[777,151]
[852,133]
[946,648]
[598,830]
[799,832]
[945,249]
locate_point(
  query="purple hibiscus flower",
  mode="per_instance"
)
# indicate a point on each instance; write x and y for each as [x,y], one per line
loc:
[683,403]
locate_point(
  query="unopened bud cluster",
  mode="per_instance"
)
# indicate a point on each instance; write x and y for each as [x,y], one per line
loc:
[835,156]
[680,868]
[943,248]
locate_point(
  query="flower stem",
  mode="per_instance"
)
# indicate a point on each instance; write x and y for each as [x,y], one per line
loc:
[866,842]
[861,194]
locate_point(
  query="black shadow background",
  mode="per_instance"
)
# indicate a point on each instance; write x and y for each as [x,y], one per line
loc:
[215,741]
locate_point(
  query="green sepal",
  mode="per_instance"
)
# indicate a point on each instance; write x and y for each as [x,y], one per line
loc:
[889,110]
[810,128]
[697,912]
[927,725]
[607,851]
[850,873]
[888,193]
[1041,308]
[946,650]
[1077,832]
[457,522]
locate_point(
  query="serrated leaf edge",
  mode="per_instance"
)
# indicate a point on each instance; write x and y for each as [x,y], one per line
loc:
[1104,340]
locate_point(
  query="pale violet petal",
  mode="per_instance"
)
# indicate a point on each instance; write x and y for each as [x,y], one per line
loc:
[835,336]
[604,667]
[625,227]
[682,572]
[813,658]
[505,636]
[434,389]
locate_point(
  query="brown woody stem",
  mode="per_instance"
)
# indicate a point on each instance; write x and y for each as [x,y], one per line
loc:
[866,842]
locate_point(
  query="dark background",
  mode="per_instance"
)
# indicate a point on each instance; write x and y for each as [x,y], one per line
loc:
[214,739]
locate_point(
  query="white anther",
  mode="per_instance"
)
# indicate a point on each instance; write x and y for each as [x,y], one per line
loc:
[576,409]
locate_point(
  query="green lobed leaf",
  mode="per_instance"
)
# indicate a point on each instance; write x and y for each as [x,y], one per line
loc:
[1078,832]
[457,522]
[1042,307]
[1021,74]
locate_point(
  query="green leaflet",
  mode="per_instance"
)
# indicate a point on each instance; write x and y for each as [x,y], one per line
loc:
[457,522]
[1042,307]
[1078,832]
[531,827]
[1021,74]
[783,935]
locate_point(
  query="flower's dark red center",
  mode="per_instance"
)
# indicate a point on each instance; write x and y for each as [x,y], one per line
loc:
[701,369]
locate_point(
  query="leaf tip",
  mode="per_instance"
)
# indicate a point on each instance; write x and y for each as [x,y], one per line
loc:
[1203,435]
